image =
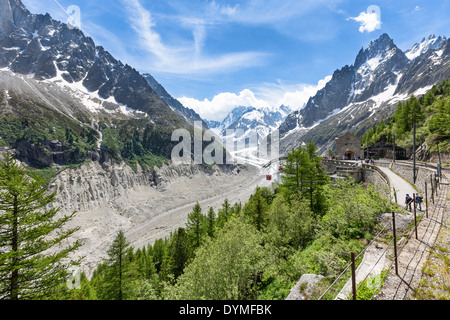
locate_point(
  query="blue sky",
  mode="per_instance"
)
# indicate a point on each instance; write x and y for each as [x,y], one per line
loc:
[214,55]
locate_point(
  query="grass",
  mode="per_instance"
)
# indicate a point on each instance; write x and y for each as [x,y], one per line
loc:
[325,283]
[371,286]
[435,281]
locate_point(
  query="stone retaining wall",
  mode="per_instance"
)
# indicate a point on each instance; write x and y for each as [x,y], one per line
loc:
[378,178]
[424,174]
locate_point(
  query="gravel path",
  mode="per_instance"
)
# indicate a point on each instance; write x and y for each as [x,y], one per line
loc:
[401,186]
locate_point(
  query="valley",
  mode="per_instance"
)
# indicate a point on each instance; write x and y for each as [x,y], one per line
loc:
[101,135]
[115,198]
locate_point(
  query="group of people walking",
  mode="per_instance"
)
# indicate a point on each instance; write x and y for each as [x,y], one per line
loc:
[409,201]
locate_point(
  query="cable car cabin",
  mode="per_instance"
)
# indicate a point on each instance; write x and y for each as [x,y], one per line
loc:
[269,177]
[280,168]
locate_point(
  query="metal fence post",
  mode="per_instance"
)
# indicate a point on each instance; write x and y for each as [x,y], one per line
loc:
[415,217]
[353,276]
[395,243]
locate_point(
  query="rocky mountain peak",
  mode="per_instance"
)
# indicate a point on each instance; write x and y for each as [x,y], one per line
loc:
[6,18]
[430,43]
[378,49]
[381,75]
[12,12]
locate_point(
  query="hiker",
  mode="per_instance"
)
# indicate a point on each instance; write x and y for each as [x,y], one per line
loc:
[419,200]
[408,202]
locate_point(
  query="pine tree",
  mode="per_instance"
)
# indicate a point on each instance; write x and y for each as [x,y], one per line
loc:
[33,262]
[304,176]
[194,226]
[180,251]
[224,213]
[210,222]
[255,209]
[117,271]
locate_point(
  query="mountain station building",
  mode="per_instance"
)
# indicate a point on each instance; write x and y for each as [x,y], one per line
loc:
[348,147]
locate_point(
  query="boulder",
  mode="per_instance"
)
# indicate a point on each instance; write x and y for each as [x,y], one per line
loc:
[304,287]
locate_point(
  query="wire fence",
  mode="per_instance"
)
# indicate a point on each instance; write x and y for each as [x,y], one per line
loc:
[392,245]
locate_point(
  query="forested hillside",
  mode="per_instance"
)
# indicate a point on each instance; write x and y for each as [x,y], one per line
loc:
[430,113]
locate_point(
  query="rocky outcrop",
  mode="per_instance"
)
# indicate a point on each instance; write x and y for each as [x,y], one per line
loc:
[304,288]
[94,185]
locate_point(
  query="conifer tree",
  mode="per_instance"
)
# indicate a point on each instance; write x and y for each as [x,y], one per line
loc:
[34,262]
[224,213]
[117,271]
[180,251]
[194,226]
[255,209]
[210,222]
[304,176]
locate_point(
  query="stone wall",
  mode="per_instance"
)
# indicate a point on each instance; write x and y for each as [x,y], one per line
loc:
[377,177]
[424,174]
[331,165]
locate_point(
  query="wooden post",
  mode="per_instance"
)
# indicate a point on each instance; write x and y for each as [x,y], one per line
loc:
[395,243]
[353,276]
[432,189]
[415,218]
[395,195]
[426,199]
[414,153]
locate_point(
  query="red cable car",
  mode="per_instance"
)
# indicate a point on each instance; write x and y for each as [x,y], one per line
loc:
[268,177]
[280,168]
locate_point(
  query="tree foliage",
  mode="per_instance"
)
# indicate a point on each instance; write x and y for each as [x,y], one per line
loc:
[33,260]
[431,115]
[259,250]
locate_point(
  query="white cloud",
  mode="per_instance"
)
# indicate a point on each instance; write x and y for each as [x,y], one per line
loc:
[370,21]
[294,96]
[221,104]
[183,58]
[264,96]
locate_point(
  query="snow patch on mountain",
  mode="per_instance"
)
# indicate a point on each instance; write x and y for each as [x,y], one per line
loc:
[432,42]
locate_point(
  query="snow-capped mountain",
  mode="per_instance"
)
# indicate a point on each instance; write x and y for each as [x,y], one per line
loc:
[248,125]
[235,114]
[249,119]
[60,70]
[432,42]
[361,94]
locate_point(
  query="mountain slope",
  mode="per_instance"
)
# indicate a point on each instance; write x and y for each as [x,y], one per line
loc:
[58,70]
[188,114]
[361,94]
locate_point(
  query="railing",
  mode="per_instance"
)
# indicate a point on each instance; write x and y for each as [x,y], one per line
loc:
[392,243]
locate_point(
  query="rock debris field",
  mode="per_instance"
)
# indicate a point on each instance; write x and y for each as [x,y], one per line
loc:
[109,199]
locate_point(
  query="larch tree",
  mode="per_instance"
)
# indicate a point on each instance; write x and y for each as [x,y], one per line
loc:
[117,271]
[194,226]
[34,263]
